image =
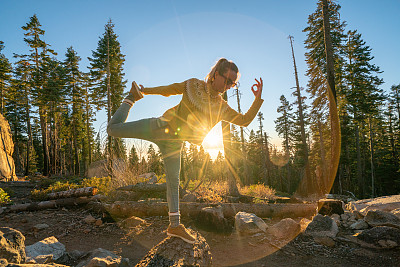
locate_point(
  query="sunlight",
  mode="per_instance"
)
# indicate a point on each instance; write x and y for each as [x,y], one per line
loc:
[212,143]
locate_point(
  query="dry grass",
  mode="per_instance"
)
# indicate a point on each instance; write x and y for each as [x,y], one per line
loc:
[259,191]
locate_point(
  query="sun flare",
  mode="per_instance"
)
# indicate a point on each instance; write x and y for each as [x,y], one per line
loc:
[212,143]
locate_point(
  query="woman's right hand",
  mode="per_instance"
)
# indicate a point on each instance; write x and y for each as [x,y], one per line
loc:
[259,86]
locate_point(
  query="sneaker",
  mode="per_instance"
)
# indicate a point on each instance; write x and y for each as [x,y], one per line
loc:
[135,91]
[181,232]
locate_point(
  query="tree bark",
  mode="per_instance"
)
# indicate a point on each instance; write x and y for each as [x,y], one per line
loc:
[192,209]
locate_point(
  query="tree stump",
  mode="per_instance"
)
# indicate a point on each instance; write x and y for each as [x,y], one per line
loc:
[174,251]
[330,206]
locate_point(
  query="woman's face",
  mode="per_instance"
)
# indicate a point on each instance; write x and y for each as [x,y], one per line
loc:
[223,82]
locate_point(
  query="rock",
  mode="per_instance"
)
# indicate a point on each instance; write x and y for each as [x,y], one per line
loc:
[149,177]
[395,212]
[40,226]
[89,219]
[7,167]
[286,229]
[344,217]
[386,203]
[47,246]
[304,222]
[176,252]
[325,240]
[336,219]
[322,226]
[189,197]
[382,218]
[43,259]
[132,222]
[387,243]
[249,223]
[330,206]
[374,235]
[212,219]
[100,257]
[12,245]
[359,225]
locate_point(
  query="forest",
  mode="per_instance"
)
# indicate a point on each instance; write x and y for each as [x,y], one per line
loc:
[341,135]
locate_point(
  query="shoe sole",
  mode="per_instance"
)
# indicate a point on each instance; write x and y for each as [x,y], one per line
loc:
[137,94]
[184,239]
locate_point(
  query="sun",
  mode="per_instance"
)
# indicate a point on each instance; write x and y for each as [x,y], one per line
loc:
[212,143]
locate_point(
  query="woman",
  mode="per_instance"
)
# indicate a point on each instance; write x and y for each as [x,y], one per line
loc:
[200,109]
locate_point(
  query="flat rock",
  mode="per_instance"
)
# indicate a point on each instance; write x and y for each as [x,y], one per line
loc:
[48,246]
[386,203]
[382,218]
[100,257]
[132,222]
[359,225]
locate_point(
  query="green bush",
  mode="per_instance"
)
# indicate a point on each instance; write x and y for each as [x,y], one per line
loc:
[4,197]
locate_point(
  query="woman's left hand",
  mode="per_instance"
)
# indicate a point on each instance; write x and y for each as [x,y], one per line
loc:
[259,87]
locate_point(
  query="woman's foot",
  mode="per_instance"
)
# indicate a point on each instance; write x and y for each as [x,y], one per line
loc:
[135,91]
[181,232]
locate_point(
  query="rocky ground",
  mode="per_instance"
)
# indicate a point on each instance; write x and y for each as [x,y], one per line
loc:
[83,229]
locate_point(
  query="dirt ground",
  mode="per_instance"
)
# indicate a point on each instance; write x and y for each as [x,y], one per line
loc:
[69,227]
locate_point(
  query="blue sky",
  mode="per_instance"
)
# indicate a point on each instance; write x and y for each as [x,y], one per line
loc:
[173,40]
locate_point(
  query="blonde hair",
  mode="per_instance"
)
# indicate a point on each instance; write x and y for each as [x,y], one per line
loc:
[222,66]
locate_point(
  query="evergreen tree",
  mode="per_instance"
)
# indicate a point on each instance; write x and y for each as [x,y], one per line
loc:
[5,76]
[76,103]
[40,52]
[133,159]
[106,70]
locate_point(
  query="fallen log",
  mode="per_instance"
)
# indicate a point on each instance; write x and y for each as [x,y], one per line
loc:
[50,204]
[78,192]
[144,187]
[192,209]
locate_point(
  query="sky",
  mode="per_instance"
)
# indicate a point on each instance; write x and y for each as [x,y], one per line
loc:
[173,40]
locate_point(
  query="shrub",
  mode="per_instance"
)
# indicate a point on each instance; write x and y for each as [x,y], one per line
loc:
[259,191]
[4,197]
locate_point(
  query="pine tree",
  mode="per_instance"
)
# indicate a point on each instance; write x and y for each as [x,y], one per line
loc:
[363,95]
[317,73]
[284,126]
[106,70]
[5,76]
[39,53]
[133,159]
[76,103]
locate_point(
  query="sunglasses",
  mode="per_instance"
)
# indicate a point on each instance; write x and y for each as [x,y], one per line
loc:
[229,82]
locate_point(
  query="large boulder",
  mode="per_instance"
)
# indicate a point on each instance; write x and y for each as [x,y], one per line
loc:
[384,236]
[249,223]
[382,218]
[7,167]
[212,219]
[386,203]
[322,226]
[48,246]
[12,245]
[174,251]
[286,229]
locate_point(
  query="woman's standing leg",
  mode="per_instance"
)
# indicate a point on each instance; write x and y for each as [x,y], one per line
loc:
[171,152]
